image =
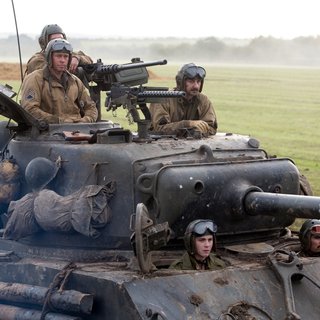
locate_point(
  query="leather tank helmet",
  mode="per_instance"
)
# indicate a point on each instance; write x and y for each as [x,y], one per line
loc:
[58,45]
[47,31]
[198,228]
[189,71]
[309,227]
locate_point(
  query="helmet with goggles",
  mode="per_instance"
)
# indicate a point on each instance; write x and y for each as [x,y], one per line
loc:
[58,45]
[47,31]
[189,71]
[199,228]
[309,227]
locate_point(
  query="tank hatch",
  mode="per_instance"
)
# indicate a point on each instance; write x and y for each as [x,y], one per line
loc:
[12,110]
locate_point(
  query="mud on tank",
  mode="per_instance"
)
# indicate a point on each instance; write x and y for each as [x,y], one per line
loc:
[90,235]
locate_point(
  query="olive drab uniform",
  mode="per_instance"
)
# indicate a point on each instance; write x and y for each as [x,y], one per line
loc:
[38,60]
[169,117]
[48,99]
[188,262]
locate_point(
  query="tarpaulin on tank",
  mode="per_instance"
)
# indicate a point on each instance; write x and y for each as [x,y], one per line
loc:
[85,211]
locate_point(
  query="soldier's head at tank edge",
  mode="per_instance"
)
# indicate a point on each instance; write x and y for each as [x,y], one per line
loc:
[190,78]
[309,236]
[200,243]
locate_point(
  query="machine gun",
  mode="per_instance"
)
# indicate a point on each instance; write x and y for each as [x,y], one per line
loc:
[123,84]
[132,97]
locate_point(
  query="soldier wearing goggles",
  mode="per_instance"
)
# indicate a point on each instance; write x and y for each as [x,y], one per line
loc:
[55,95]
[200,242]
[192,112]
[309,236]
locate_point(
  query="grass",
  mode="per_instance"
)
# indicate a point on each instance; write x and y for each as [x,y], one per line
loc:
[278,106]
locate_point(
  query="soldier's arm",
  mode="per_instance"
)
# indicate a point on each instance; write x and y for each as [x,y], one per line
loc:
[31,92]
[161,120]
[207,114]
[82,57]
[89,106]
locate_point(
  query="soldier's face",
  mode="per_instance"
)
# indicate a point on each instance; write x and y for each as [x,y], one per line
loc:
[60,61]
[203,246]
[192,87]
[315,243]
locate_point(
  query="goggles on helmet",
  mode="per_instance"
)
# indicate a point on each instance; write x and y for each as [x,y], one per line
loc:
[61,46]
[315,229]
[202,226]
[195,71]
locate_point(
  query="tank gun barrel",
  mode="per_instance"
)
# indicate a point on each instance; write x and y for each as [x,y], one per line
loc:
[298,206]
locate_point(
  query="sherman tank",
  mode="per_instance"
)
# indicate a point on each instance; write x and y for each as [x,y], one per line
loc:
[94,214]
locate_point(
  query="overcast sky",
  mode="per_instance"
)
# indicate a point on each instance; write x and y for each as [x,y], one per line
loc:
[240,19]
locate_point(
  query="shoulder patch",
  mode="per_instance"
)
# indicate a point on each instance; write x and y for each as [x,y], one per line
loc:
[30,94]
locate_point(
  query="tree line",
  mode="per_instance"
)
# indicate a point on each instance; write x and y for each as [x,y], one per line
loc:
[301,51]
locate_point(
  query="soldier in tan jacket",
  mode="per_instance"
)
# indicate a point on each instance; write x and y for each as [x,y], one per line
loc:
[55,95]
[194,110]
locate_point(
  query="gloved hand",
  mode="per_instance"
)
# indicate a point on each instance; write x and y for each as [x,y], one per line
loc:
[200,125]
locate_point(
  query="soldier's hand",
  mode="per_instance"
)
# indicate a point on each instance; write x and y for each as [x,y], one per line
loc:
[85,119]
[70,120]
[74,64]
[200,125]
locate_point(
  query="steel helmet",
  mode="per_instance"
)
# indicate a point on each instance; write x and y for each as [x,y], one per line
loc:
[310,226]
[47,31]
[58,45]
[40,171]
[198,228]
[189,71]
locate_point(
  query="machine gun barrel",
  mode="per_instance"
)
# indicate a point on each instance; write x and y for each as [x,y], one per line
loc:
[299,206]
[114,68]
[161,94]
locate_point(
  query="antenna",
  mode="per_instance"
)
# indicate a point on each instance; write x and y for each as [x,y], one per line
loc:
[19,49]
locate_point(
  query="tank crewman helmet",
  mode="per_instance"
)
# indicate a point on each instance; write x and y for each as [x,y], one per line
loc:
[47,31]
[198,228]
[40,172]
[58,45]
[189,71]
[309,227]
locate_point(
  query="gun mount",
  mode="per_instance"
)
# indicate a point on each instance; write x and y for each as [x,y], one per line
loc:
[123,84]
[92,219]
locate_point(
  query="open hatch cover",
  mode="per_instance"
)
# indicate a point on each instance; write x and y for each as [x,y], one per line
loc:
[12,110]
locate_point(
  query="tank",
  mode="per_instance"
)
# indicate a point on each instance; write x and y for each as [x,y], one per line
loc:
[94,214]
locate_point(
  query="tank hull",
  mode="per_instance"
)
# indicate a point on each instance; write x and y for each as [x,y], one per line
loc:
[121,292]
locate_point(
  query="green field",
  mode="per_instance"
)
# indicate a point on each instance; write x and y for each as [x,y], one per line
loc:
[278,106]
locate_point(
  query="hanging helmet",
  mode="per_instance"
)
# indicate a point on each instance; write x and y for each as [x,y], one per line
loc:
[58,45]
[199,228]
[309,227]
[40,171]
[189,71]
[47,31]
